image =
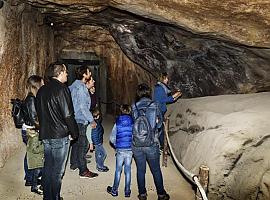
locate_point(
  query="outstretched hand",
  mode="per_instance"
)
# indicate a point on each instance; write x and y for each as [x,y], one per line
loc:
[177,94]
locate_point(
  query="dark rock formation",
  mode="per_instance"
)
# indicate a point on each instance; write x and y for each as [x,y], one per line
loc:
[198,64]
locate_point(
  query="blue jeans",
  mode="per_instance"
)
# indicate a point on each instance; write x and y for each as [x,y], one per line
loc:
[100,155]
[35,174]
[28,173]
[152,157]
[55,155]
[123,157]
[79,150]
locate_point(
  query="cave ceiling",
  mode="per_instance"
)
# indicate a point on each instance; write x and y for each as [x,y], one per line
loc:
[208,47]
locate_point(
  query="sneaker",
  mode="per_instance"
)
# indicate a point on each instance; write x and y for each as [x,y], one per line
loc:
[164,197]
[88,161]
[142,196]
[112,192]
[88,174]
[127,193]
[104,169]
[37,191]
[74,169]
[28,183]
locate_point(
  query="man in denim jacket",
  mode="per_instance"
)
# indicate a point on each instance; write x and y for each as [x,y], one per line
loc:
[81,103]
[149,154]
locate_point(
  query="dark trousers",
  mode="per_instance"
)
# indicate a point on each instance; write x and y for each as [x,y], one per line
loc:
[79,150]
[35,174]
[55,155]
[152,157]
[161,133]
[28,173]
[161,136]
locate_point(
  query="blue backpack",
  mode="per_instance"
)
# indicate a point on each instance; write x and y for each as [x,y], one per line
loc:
[142,133]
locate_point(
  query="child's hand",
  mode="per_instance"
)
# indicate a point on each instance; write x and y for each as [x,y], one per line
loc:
[93,124]
[91,147]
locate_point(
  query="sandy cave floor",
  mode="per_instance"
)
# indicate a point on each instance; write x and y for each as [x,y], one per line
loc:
[12,183]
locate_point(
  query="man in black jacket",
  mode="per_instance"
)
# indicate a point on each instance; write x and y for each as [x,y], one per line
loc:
[57,126]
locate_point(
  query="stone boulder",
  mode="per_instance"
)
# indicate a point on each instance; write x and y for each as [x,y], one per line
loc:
[230,134]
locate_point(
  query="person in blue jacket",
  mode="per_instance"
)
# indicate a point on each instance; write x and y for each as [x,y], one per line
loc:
[163,96]
[121,138]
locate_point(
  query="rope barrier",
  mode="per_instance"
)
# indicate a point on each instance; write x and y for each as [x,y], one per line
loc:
[192,177]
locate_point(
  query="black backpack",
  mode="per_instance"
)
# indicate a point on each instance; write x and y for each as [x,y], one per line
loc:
[18,112]
[142,133]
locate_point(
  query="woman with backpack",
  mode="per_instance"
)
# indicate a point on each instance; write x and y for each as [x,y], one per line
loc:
[145,144]
[34,149]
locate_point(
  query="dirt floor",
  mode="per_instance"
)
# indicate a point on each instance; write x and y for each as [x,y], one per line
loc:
[73,188]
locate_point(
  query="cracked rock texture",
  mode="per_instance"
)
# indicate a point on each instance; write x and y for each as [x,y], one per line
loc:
[230,134]
[25,49]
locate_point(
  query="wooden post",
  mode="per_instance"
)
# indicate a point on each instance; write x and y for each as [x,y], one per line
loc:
[165,149]
[204,179]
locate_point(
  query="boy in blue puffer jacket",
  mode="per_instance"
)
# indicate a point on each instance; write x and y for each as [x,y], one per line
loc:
[121,138]
[97,139]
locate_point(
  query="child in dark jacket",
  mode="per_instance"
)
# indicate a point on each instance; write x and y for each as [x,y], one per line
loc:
[97,139]
[121,138]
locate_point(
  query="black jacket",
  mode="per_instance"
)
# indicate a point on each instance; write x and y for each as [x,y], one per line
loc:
[30,117]
[55,111]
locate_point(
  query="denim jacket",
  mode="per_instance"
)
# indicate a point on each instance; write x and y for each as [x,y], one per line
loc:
[81,102]
[162,96]
[153,113]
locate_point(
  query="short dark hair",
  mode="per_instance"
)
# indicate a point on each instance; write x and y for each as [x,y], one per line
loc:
[80,71]
[162,76]
[125,109]
[95,112]
[54,70]
[143,90]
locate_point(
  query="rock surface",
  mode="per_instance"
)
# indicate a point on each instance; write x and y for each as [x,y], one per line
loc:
[244,21]
[25,49]
[230,134]
[198,64]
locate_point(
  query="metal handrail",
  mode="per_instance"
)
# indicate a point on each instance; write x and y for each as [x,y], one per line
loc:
[192,177]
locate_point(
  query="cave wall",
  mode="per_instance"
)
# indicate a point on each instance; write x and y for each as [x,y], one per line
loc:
[229,134]
[123,74]
[26,48]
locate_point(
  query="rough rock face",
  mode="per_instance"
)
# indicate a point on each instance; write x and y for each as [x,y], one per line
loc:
[244,21]
[123,74]
[199,65]
[26,47]
[230,134]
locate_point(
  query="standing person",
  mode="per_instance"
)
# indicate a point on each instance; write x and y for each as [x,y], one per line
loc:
[35,149]
[56,119]
[145,142]
[163,96]
[121,138]
[81,103]
[97,139]
[93,97]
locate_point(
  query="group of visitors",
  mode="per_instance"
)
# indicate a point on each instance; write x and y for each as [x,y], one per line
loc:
[60,116]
